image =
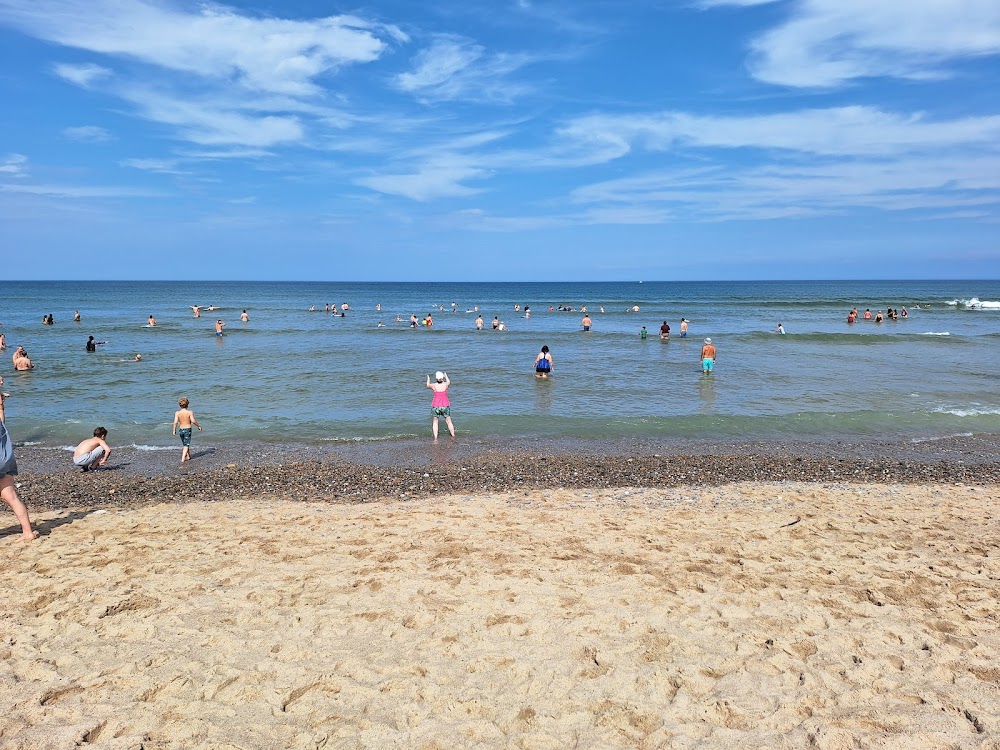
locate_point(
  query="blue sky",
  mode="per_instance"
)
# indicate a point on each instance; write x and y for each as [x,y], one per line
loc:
[500,140]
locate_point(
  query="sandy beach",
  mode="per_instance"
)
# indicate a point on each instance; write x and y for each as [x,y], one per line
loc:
[752,615]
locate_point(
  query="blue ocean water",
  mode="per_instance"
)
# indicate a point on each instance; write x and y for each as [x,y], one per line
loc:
[290,375]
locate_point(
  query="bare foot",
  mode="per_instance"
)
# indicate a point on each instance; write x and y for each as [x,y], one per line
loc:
[30,537]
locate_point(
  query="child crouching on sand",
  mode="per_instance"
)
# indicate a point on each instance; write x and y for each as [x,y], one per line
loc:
[183,419]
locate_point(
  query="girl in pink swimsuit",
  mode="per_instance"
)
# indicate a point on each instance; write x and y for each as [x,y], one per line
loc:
[440,405]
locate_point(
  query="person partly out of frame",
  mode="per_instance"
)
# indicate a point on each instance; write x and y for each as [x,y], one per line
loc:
[93,451]
[8,470]
[440,404]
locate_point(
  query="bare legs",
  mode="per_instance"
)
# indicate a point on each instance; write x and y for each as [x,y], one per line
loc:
[447,421]
[9,495]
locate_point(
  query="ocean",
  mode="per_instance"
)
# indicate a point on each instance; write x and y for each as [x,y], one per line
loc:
[291,375]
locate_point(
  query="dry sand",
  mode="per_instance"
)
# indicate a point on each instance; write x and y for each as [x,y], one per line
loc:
[786,615]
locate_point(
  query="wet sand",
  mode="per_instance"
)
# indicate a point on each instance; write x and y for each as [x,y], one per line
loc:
[754,614]
[413,469]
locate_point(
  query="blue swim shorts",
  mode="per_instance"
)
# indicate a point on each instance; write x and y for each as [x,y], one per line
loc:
[185,433]
[708,364]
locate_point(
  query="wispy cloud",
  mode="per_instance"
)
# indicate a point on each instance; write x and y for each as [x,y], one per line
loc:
[161,166]
[263,54]
[81,74]
[14,164]
[832,131]
[80,191]
[829,42]
[457,68]
[436,179]
[88,134]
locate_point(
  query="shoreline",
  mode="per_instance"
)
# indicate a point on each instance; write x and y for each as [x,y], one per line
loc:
[413,470]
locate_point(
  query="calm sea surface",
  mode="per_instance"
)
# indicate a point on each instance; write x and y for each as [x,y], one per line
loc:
[290,375]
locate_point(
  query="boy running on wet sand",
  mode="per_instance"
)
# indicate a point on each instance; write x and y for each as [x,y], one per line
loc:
[183,419]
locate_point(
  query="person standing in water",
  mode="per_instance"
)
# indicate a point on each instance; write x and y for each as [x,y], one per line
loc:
[8,470]
[543,363]
[440,405]
[708,357]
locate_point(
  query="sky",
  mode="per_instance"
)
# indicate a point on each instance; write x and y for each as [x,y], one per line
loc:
[478,140]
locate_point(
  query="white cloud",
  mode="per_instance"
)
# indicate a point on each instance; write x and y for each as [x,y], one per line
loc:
[14,165]
[81,75]
[161,166]
[833,131]
[442,179]
[784,190]
[829,42]
[263,54]
[455,68]
[88,134]
[77,191]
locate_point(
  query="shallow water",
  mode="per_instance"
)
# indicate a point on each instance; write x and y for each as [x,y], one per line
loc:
[290,375]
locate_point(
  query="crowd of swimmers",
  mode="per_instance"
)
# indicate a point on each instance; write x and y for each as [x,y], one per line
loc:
[878,317]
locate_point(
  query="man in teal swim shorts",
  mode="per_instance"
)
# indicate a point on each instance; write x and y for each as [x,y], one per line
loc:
[708,356]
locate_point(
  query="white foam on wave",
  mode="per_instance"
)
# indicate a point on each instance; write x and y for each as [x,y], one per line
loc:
[936,333]
[151,447]
[940,437]
[972,411]
[975,304]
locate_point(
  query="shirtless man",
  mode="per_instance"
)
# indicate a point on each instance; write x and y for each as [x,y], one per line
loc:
[586,322]
[479,323]
[244,317]
[708,357]
[684,328]
[93,452]
[196,310]
[219,325]
[151,321]
[21,361]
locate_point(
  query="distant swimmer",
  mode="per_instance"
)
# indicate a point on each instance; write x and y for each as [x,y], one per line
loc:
[378,307]
[868,314]
[196,310]
[440,404]
[92,345]
[879,317]
[48,320]
[21,360]
[244,317]
[496,322]
[219,325]
[429,321]
[780,329]
[312,308]
[413,320]
[586,322]
[684,328]
[664,331]
[76,316]
[399,318]
[708,356]
[902,312]
[643,333]
[151,321]
[479,323]
[138,358]
[851,317]
[543,363]
[93,451]
[3,342]
[380,324]
[211,307]
[345,306]
[635,308]
[502,326]
[601,308]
